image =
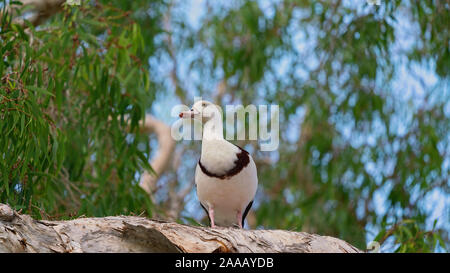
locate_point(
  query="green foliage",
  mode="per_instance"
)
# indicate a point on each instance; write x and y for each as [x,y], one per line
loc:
[72,95]
[358,153]
[410,237]
[338,64]
[238,50]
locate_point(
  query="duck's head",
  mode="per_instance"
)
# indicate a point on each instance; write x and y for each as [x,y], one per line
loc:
[203,111]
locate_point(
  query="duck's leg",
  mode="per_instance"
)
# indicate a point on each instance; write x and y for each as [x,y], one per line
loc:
[239,218]
[211,216]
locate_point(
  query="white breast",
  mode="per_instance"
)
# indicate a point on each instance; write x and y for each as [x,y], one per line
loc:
[219,155]
[230,195]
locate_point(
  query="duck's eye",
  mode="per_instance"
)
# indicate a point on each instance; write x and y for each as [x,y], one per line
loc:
[204,104]
[192,109]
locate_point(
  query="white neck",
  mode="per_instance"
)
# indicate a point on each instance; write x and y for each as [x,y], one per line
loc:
[213,129]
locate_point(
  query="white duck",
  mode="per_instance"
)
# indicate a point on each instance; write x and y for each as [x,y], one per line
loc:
[225,176]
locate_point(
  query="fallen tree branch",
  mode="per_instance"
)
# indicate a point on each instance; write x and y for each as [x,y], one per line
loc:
[21,233]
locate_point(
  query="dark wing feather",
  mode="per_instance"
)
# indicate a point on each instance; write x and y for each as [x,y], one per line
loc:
[246,211]
[243,158]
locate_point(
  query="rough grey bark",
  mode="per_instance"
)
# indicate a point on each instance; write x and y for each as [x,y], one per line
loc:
[21,233]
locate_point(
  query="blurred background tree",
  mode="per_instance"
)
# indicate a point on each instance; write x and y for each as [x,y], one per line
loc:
[363,92]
